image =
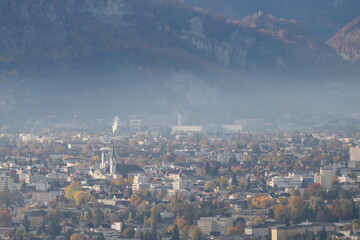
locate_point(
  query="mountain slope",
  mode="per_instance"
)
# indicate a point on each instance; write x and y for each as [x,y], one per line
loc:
[323,18]
[347,40]
[101,56]
[143,33]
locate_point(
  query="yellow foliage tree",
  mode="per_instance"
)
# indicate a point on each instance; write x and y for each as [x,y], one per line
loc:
[81,197]
[261,201]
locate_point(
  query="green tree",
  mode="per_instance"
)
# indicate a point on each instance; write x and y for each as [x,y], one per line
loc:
[54,229]
[189,214]
[322,235]
[129,232]
[153,218]
[175,233]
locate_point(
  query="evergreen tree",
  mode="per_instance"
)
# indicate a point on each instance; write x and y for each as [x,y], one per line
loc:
[189,214]
[248,184]
[175,233]
[234,180]
[322,235]
[153,218]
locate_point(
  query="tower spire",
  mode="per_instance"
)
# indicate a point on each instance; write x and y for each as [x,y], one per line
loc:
[113,162]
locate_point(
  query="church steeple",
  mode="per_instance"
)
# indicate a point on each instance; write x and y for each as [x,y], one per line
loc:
[113,162]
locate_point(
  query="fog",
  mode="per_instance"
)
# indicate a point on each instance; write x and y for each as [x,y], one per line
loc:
[204,97]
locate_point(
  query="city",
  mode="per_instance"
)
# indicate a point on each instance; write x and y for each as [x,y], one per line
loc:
[143,182]
[179,119]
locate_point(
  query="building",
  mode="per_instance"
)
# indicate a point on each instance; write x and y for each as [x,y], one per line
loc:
[140,181]
[258,231]
[290,181]
[6,182]
[36,217]
[186,129]
[354,157]
[42,186]
[217,224]
[326,176]
[116,169]
[182,184]
[283,232]
[45,197]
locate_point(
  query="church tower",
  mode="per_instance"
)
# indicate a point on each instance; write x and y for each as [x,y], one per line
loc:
[113,163]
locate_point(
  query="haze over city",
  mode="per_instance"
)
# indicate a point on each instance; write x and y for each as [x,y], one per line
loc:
[179,119]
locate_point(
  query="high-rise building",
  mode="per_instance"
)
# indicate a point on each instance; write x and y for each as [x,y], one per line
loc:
[6,182]
[326,176]
[354,153]
[354,157]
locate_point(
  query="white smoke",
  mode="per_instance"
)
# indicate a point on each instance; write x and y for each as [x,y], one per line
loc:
[115,124]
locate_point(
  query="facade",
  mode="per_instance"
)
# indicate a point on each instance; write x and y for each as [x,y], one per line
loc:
[257,231]
[354,157]
[354,153]
[6,182]
[186,129]
[290,181]
[208,225]
[182,184]
[140,181]
[283,233]
[45,197]
[42,186]
[326,176]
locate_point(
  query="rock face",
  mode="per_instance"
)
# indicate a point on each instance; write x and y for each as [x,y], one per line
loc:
[347,40]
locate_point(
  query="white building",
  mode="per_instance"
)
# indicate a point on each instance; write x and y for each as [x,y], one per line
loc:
[119,226]
[326,176]
[290,181]
[344,179]
[208,225]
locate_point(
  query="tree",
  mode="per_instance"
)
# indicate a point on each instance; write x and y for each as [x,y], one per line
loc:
[261,201]
[26,224]
[5,218]
[75,236]
[20,233]
[195,233]
[189,214]
[153,218]
[54,228]
[81,197]
[234,181]
[296,205]
[322,235]
[129,232]
[308,235]
[209,186]
[248,184]
[355,224]
[175,233]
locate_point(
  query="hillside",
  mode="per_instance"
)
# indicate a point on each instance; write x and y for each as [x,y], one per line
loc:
[106,56]
[322,18]
[347,40]
[143,33]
